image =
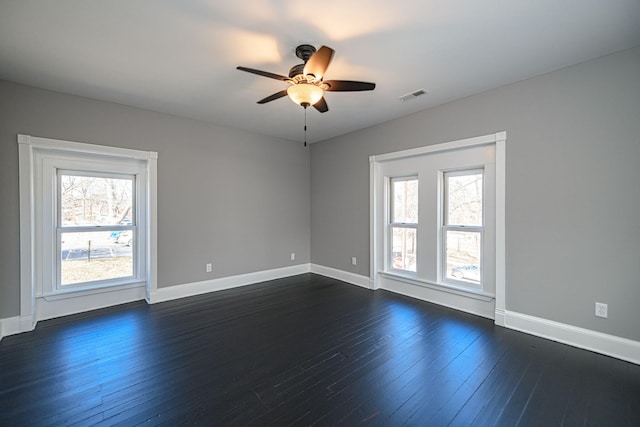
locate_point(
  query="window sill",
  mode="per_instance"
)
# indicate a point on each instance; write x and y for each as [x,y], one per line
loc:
[91,290]
[452,289]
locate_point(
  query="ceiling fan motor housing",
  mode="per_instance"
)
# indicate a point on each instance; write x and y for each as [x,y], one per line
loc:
[296,70]
[304,51]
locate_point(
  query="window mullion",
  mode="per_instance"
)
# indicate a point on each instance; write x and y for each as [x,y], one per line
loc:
[84,228]
[464,227]
[404,224]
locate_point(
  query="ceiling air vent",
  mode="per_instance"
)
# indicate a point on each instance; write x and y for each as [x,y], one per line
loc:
[413,95]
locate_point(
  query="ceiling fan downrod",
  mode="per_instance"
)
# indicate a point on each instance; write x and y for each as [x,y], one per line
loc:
[305,105]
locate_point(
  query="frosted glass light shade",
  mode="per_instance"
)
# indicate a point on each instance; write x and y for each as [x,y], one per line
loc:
[305,93]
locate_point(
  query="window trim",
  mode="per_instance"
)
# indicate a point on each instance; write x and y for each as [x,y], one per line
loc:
[29,248]
[377,211]
[47,163]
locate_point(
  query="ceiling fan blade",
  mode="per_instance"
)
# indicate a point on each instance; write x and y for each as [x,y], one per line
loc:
[348,86]
[318,63]
[321,105]
[263,73]
[273,97]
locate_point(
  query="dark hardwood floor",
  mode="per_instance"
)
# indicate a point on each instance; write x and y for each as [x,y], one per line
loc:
[305,350]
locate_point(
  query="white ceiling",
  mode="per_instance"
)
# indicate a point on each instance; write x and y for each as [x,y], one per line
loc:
[179,56]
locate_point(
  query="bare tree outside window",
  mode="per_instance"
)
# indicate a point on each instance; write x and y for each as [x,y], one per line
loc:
[463,226]
[404,223]
[96,227]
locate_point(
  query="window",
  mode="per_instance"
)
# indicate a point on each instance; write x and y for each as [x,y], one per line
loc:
[94,214]
[91,217]
[87,227]
[462,227]
[96,228]
[403,223]
[447,245]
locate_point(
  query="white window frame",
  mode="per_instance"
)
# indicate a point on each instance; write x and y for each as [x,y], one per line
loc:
[488,302]
[391,225]
[137,228]
[39,160]
[444,227]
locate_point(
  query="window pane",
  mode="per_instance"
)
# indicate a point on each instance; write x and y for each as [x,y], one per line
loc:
[98,255]
[93,200]
[463,255]
[404,201]
[403,256]
[464,199]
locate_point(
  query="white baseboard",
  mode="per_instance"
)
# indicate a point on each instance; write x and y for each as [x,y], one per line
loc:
[197,288]
[469,305]
[345,276]
[49,308]
[52,307]
[10,326]
[472,306]
[610,345]
[15,325]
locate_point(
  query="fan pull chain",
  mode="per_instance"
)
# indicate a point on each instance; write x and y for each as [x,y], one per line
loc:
[305,126]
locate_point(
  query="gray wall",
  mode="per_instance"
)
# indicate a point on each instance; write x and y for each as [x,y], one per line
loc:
[236,199]
[242,201]
[573,188]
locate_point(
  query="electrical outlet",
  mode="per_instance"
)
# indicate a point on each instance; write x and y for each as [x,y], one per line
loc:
[354,261]
[293,256]
[209,268]
[602,310]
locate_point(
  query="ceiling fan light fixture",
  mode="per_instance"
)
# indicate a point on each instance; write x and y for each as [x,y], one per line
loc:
[305,94]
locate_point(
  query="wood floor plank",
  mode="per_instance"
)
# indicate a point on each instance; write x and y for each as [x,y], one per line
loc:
[303,350]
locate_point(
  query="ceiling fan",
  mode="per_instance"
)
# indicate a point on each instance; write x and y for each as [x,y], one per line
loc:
[306,84]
